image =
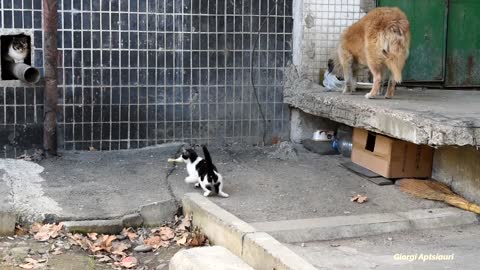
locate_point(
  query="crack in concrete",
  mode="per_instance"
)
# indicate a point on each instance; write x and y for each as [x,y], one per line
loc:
[169,173]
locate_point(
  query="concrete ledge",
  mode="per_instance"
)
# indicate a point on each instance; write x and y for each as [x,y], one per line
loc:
[158,213]
[258,249]
[98,226]
[340,227]
[202,258]
[422,117]
[262,251]
[7,212]
[221,227]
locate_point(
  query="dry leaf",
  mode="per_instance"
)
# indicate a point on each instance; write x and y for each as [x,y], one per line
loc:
[35,228]
[31,264]
[48,231]
[185,225]
[156,242]
[132,235]
[128,262]
[198,239]
[359,198]
[92,236]
[182,241]
[166,233]
[103,243]
[118,248]
[20,231]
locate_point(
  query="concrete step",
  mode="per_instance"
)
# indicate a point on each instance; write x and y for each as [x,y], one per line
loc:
[341,227]
[212,258]
[258,249]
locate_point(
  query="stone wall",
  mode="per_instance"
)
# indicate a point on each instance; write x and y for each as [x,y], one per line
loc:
[318,25]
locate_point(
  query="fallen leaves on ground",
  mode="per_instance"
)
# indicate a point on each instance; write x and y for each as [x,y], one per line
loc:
[46,231]
[359,198]
[113,250]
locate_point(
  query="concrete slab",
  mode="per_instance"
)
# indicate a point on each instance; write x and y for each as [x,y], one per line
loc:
[7,213]
[341,227]
[106,185]
[258,249]
[433,117]
[265,189]
[446,248]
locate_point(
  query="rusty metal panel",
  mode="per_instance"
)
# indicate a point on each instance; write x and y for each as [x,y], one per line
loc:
[428,19]
[463,43]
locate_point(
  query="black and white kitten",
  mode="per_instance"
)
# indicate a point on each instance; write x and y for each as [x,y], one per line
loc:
[202,172]
[17,50]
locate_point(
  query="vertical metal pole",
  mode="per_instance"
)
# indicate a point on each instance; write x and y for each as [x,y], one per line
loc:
[50,23]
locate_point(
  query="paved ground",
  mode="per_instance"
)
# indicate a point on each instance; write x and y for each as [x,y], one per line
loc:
[101,185]
[266,189]
[390,251]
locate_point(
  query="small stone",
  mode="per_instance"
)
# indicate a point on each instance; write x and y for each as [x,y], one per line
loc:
[142,248]
[302,245]
[41,251]
[121,237]
[347,212]
[390,239]
[67,246]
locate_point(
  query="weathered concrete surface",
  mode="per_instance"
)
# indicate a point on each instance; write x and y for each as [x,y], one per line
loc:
[24,184]
[107,185]
[221,227]
[459,167]
[433,117]
[157,213]
[7,213]
[389,251]
[341,227]
[202,258]
[258,249]
[113,226]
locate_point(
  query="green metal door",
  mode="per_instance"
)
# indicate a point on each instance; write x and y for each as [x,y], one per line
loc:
[428,20]
[463,43]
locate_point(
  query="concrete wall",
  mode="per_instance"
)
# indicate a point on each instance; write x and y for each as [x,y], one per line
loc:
[317,28]
[303,125]
[459,167]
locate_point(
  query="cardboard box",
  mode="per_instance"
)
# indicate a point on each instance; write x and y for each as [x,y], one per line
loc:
[391,158]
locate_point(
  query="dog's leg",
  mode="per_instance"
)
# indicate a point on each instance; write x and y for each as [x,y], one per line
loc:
[391,88]
[346,60]
[377,81]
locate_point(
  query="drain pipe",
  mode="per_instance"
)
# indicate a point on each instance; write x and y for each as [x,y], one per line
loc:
[50,23]
[24,72]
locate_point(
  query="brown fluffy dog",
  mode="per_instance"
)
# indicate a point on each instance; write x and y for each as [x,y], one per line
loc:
[379,40]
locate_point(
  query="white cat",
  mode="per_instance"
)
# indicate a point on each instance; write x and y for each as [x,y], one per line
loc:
[202,172]
[17,50]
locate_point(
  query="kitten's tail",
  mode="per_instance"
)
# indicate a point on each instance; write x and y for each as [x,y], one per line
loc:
[208,158]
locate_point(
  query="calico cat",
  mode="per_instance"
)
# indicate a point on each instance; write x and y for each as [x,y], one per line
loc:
[17,50]
[202,172]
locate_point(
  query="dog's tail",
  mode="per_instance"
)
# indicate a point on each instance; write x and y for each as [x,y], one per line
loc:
[395,41]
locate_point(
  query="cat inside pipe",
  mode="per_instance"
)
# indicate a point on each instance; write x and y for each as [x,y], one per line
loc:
[18,50]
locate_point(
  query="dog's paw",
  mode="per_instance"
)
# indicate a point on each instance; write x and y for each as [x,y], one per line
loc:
[369,96]
[206,193]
